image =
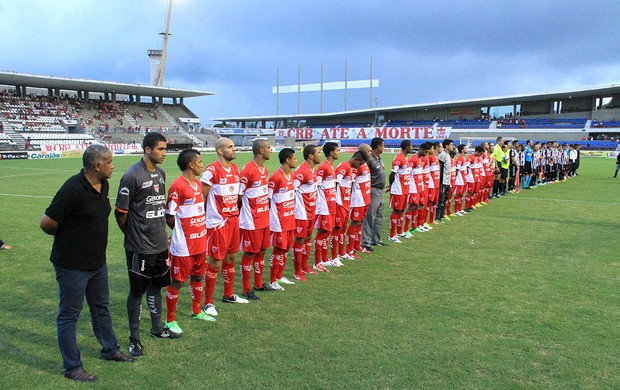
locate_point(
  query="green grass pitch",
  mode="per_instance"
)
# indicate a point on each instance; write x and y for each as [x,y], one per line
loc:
[522,293]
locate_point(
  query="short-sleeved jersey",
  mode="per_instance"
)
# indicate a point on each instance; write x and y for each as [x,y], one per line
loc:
[473,174]
[417,175]
[142,195]
[461,170]
[402,173]
[453,172]
[281,190]
[305,192]
[326,189]
[254,212]
[434,167]
[187,204]
[223,195]
[360,190]
[485,158]
[344,180]
[426,172]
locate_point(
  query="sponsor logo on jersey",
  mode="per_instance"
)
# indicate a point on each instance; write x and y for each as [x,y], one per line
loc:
[147,184]
[189,201]
[123,191]
[230,198]
[222,181]
[256,184]
[156,187]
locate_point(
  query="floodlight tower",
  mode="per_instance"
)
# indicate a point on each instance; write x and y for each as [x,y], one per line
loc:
[158,57]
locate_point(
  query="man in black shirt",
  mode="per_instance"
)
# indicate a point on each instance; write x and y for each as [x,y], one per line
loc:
[78,220]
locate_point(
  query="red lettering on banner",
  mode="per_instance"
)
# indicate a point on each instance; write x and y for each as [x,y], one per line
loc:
[362,134]
[428,132]
[344,133]
[381,132]
[325,134]
[405,132]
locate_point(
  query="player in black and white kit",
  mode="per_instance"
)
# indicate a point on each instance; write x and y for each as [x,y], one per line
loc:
[141,215]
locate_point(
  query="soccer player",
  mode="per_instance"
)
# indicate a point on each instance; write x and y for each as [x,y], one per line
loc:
[141,215]
[399,191]
[326,206]
[281,190]
[445,164]
[185,215]
[461,180]
[344,182]
[473,164]
[417,190]
[433,196]
[428,184]
[220,185]
[305,209]
[360,202]
[254,218]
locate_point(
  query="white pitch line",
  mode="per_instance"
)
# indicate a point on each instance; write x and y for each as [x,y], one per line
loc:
[24,174]
[27,196]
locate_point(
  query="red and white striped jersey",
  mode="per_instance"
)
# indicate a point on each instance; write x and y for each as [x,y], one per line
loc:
[224,192]
[453,172]
[360,190]
[186,204]
[473,175]
[461,170]
[434,167]
[254,212]
[344,178]
[305,192]
[326,189]
[417,175]
[426,172]
[402,173]
[281,190]
[485,164]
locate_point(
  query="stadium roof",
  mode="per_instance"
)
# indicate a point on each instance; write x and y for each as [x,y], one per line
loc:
[600,91]
[70,84]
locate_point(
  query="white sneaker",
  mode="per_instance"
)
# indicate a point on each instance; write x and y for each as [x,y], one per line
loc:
[395,239]
[328,263]
[284,280]
[276,287]
[407,235]
[344,257]
[429,227]
[234,299]
[337,262]
[210,309]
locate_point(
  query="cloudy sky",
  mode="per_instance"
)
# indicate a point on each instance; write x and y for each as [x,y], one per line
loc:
[422,51]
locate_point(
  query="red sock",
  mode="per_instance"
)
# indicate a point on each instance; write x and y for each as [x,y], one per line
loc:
[281,260]
[467,201]
[352,233]
[358,238]
[319,244]
[298,256]
[431,217]
[210,279]
[458,203]
[341,248]
[335,236]
[246,272]
[414,218]
[259,267]
[408,216]
[228,274]
[304,263]
[195,291]
[393,223]
[399,224]
[172,297]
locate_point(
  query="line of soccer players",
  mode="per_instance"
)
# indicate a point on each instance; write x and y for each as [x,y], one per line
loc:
[219,211]
[429,186]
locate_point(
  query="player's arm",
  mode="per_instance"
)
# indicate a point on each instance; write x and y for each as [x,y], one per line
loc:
[121,219]
[170,221]
[48,225]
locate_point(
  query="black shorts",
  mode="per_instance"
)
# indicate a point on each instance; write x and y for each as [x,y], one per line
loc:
[527,170]
[147,270]
[503,173]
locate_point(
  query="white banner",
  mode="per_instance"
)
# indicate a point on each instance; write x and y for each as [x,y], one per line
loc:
[366,133]
[44,155]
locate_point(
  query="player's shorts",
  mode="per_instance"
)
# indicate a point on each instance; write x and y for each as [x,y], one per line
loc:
[342,217]
[450,194]
[147,270]
[223,239]
[398,202]
[326,222]
[254,241]
[283,240]
[490,180]
[183,267]
[358,213]
[304,227]
[472,188]
[459,190]
[504,173]
[433,195]
[423,197]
